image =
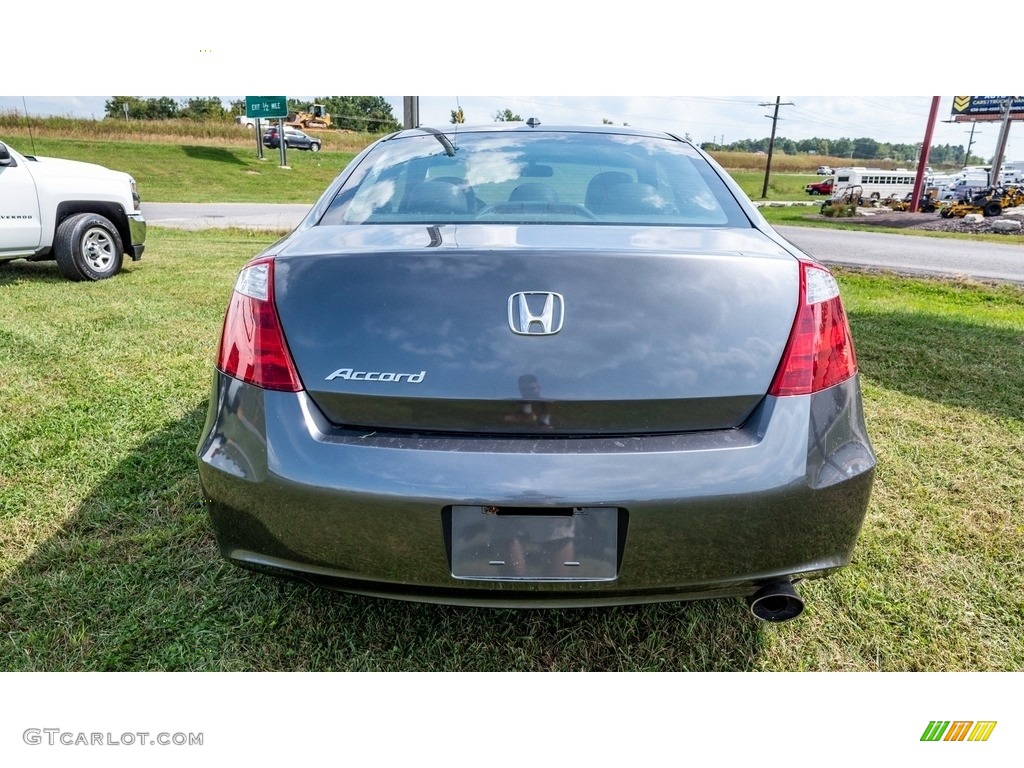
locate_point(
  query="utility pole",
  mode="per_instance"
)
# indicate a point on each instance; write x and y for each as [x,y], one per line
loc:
[411,111]
[1004,135]
[970,141]
[771,141]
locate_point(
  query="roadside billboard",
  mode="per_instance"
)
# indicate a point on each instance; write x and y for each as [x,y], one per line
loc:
[978,108]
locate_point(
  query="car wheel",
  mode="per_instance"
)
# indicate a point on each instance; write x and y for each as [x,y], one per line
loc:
[88,247]
[314,147]
[815,192]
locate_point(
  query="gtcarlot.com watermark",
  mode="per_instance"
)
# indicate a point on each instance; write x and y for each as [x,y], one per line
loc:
[56,737]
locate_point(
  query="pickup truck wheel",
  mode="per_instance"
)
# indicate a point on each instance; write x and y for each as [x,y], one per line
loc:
[87,247]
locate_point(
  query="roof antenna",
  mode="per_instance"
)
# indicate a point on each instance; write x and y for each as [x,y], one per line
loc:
[30,136]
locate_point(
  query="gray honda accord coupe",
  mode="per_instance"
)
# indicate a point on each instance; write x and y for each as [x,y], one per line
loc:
[536,366]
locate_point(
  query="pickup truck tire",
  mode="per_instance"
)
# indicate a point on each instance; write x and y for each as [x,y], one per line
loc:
[87,247]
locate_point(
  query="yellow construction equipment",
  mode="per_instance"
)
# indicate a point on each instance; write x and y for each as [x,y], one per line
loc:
[925,205]
[315,117]
[989,202]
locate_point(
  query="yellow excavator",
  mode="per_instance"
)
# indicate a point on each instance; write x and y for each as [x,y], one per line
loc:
[315,117]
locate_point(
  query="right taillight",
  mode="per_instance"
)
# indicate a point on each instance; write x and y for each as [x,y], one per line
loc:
[819,353]
[252,345]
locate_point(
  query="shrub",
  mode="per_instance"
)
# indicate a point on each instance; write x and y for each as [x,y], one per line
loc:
[839,210]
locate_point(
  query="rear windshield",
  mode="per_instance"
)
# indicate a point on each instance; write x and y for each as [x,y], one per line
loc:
[527,177]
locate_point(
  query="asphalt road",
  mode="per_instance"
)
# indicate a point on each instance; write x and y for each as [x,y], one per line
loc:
[223,215]
[900,253]
[909,254]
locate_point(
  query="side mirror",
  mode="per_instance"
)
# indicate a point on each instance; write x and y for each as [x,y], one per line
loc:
[5,155]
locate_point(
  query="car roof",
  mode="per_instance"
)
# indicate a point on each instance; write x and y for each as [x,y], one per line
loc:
[522,127]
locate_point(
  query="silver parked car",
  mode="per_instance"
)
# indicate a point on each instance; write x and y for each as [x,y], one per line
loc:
[538,366]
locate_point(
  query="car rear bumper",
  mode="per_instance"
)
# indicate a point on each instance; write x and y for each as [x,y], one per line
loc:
[700,515]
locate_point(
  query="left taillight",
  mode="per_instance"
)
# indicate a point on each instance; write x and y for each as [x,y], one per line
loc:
[252,345]
[819,353]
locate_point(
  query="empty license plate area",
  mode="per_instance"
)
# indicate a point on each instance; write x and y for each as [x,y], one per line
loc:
[534,543]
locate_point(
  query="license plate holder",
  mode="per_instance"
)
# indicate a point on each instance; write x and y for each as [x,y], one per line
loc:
[490,543]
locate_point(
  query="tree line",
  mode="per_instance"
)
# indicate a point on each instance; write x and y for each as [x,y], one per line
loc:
[855,149]
[367,114]
[373,114]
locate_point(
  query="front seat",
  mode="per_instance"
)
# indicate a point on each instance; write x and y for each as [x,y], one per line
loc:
[641,199]
[434,197]
[533,192]
[597,199]
[474,202]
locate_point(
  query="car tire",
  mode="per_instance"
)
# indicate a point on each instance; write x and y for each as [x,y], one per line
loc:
[815,192]
[314,147]
[88,247]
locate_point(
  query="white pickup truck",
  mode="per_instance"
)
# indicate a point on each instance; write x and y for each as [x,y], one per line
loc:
[84,216]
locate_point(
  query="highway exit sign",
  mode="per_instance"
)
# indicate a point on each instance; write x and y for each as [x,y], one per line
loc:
[266,106]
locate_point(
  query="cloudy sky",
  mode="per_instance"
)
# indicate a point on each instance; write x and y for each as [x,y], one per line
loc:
[263,48]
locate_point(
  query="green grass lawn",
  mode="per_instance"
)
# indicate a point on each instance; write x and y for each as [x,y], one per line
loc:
[192,172]
[107,560]
[781,186]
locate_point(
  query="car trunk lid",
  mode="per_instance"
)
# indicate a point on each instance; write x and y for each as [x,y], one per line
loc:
[580,331]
